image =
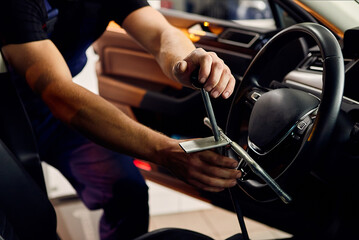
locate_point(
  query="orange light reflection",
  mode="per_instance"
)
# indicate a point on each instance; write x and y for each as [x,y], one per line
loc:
[142,165]
[320,18]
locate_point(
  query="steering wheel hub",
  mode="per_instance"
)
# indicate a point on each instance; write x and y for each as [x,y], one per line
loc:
[275,115]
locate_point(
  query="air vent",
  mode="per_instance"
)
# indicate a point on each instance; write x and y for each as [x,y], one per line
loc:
[316,64]
[238,37]
[313,63]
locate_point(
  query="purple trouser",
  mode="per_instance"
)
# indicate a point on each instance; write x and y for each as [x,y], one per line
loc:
[102,178]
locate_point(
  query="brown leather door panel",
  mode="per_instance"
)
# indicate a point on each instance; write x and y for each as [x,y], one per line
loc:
[126,71]
[134,64]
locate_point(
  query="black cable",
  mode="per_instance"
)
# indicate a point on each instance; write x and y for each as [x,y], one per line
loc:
[241,222]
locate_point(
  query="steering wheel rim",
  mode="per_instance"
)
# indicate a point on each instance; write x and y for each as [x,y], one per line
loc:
[318,136]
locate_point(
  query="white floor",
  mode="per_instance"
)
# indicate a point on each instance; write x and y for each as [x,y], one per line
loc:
[161,200]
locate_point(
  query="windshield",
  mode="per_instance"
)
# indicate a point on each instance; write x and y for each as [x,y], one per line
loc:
[342,14]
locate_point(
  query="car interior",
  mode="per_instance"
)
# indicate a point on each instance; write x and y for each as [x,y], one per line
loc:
[294,113]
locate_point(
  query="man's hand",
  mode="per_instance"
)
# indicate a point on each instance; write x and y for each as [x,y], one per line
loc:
[213,72]
[206,170]
[176,54]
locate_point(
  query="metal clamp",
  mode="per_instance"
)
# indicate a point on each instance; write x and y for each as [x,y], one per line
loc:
[210,143]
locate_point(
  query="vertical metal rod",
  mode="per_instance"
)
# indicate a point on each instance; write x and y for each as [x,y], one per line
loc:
[210,114]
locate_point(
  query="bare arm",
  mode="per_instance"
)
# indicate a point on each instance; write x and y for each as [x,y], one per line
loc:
[48,75]
[176,54]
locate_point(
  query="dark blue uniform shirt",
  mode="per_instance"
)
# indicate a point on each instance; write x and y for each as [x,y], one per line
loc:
[73,25]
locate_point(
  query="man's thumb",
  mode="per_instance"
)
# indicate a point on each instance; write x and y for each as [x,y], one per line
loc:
[181,67]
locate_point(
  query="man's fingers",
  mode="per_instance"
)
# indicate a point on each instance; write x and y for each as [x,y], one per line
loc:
[205,63]
[215,76]
[222,83]
[212,158]
[213,72]
[219,79]
[229,88]
[220,172]
[208,182]
[213,170]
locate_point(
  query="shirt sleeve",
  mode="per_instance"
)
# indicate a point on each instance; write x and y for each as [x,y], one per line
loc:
[124,8]
[22,21]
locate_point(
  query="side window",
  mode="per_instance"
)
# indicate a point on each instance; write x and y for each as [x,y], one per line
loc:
[236,10]
[246,12]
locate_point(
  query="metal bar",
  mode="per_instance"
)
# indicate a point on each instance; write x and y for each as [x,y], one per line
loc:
[258,170]
[210,114]
[202,144]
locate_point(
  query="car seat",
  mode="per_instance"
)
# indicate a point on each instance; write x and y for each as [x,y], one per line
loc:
[23,199]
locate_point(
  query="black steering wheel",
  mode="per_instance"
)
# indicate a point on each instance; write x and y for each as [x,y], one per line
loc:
[284,129]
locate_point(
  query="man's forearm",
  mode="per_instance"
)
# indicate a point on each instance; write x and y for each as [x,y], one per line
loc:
[102,122]
[158,37]
[175,46]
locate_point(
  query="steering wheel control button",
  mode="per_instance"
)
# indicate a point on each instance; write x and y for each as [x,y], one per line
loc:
[301,125]
[255,96]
